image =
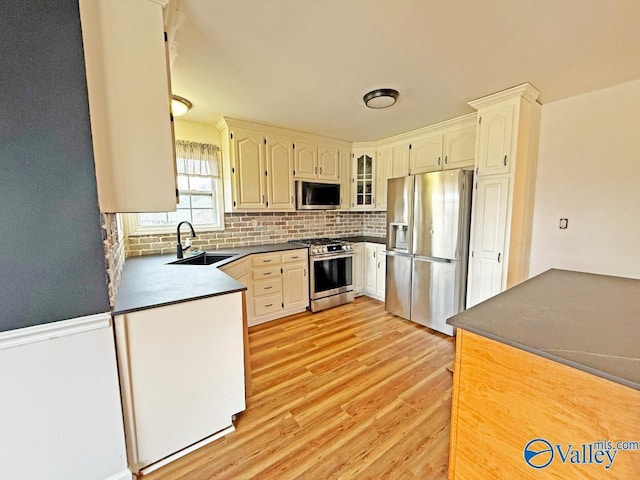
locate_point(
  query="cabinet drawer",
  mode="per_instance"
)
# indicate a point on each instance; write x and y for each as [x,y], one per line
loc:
[267,304]
[266,259]
[294,256]
[269,286]
[266,272]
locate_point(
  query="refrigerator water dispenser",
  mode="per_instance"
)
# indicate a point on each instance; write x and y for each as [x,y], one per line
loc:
[399,237]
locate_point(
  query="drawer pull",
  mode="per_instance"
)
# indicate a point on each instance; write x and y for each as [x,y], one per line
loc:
[268,288]
[270,305]
[295,257]
[266,260]
[266,273]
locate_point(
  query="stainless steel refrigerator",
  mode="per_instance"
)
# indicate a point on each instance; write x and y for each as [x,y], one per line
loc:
[428,219]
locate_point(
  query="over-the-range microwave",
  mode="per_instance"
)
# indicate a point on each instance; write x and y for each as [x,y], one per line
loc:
[317,196]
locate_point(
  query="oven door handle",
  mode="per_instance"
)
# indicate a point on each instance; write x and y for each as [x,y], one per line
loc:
[332,257]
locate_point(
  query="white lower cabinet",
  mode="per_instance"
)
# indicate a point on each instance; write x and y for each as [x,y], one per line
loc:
[358,268]
[181,375]
[277,283]
[373,270]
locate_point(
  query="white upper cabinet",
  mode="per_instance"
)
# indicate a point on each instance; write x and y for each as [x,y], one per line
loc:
[280,164]
[400,161]
[248,170]
[129,101]
[306,160]
[328,163]
[261,164]
[315,162]
[383,169]
[425,154]
[459,147]
[364,182]
[345,179]
[502,211]
[495,132]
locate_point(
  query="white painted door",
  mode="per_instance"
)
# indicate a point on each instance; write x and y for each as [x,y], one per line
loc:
[306,160]
[248,170]
[488,239]
[345,180]
[383,169]
[280,173]
[381,270]
[400,161]
[370,267]
[328,163]
[426,154]
[460,147]
[295,285]
[495,130]
[358,267]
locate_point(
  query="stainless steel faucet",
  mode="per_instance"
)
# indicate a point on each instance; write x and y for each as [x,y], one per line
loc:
[179,247]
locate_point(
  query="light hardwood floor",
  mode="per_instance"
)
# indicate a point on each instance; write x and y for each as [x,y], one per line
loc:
[352,393]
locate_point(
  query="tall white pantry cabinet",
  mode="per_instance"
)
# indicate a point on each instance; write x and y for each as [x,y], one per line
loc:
[506,158]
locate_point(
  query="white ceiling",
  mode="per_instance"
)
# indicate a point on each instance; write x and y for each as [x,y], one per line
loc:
[305,64]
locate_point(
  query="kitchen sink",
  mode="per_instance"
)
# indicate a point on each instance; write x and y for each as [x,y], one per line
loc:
[201,259]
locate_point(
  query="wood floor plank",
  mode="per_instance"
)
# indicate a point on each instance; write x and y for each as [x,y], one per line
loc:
[352,392]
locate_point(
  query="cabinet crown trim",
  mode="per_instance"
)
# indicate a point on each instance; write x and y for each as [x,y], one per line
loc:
[526,91]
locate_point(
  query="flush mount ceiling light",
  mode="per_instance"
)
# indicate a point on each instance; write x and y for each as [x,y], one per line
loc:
[381,98]
[179,105]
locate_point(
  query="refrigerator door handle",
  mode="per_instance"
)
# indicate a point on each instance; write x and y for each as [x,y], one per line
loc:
[433,259]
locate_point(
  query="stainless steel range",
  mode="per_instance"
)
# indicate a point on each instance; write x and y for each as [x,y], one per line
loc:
[331,272]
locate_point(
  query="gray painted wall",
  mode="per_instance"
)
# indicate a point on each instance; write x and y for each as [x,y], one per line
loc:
[51,255]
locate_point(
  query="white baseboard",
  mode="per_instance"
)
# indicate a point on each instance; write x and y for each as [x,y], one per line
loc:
[124,475]
[185,451]
[47,331]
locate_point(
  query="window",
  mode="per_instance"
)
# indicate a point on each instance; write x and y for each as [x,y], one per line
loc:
[199,190]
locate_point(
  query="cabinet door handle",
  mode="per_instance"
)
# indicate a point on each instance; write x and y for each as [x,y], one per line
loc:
[291,198]
[505,161]
[315,169]
[268,288]
[378,265]
[438,160]
[498,258]
[374,254]
[445,159]
[305,272]
[320,170]
[262,198]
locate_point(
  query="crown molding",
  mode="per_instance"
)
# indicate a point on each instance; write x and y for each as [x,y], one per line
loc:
[525,91]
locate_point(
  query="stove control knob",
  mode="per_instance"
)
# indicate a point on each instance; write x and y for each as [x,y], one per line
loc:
[325,249]
[347,247]
[314,250]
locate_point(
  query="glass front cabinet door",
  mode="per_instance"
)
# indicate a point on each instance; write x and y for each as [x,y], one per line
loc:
[364,181]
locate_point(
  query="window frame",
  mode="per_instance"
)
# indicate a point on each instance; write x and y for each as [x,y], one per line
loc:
[132,220]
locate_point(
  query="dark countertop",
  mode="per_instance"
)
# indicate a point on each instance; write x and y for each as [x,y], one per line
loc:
[148,282]
[587,321]
[361,238]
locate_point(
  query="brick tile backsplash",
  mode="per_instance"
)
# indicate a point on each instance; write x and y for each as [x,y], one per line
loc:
[114,251]
[246,229]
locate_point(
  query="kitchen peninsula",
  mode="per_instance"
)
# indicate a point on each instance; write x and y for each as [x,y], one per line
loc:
[556,358]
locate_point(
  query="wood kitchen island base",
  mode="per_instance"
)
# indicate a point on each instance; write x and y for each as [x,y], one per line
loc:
[505,397]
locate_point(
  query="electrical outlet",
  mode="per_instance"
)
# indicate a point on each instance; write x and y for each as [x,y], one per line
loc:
[564,223]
